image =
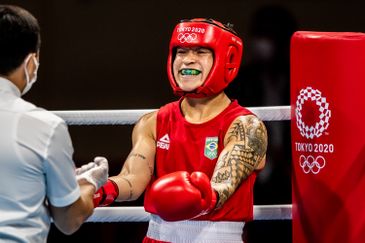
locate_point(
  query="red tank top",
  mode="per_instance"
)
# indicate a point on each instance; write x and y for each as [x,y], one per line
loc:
[191,147]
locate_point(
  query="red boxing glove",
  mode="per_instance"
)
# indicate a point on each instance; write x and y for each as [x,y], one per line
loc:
[180,196]
[106,194]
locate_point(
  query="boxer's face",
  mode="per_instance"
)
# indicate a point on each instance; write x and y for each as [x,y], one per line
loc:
[192,66]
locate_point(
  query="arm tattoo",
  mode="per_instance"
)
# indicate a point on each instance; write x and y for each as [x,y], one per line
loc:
[150,168]
[137,155]
[257,137]
[130,189]
[237,132]
[249,148]
[141,156]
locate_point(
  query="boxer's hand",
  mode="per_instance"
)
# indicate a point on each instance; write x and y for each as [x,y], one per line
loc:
[95,172]
[106,194]
[180,196]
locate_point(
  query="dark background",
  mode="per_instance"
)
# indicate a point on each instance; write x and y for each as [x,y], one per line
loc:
[112,55]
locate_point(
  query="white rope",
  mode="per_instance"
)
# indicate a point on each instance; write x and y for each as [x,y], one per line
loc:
[137,214]
[272,212]
[272,113]
[102,117]
[128,117]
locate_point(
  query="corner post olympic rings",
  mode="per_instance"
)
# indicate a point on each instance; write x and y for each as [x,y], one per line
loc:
[311,164]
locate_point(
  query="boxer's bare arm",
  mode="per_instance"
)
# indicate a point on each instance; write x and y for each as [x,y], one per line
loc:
[244,152]
[138,168]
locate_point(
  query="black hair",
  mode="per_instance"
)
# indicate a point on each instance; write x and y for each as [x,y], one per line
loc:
[19,36]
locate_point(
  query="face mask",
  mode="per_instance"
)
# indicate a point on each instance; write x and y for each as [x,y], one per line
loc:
[29,83]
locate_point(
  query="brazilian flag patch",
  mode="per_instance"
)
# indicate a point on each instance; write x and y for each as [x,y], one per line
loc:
[211,147]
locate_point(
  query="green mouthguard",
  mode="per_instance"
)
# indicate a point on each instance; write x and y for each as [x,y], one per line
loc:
[190,72]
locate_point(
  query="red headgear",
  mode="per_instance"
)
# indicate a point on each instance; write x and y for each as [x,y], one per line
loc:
[221,39]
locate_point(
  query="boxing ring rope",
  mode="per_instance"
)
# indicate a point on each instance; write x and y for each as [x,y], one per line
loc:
[129,117]
[137,214]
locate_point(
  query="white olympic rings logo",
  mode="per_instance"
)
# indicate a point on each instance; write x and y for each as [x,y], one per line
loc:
[186,37]
[314,95]
[311,164]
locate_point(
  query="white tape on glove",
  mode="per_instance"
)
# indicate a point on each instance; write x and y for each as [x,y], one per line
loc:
[95,172]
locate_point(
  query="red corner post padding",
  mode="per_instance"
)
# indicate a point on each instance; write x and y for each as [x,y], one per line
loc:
[328,137]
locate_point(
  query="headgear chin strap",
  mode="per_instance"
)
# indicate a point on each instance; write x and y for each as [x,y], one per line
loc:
[221,39]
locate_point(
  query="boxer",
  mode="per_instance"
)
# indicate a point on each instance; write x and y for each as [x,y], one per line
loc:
[196,158]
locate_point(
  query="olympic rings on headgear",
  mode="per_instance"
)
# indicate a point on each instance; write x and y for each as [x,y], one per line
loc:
[186,37]
[311,164]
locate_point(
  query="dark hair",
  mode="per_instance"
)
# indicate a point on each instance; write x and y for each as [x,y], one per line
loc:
[19,36]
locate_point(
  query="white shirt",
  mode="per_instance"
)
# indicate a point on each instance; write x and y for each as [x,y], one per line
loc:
[35,166]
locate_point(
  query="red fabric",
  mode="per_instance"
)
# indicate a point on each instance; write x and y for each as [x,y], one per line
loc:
[106,194]
[183,150]
[149,240]
[328,142]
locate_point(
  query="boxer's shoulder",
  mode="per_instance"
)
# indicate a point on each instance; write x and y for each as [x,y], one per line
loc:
[146,124]
[147,119]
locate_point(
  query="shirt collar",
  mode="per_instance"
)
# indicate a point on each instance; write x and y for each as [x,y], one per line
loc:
[8,86]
